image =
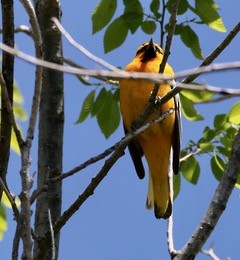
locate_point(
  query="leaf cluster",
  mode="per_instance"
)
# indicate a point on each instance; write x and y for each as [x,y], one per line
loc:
[135,16]
[216,142]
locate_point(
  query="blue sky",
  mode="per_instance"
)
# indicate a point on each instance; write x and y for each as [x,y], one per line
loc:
[113,223]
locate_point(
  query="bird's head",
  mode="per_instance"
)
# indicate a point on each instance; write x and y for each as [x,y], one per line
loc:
[149,50]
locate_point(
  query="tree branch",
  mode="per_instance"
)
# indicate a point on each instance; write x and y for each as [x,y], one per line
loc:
[6,101]
[157,78]
[216,52]
[216,207]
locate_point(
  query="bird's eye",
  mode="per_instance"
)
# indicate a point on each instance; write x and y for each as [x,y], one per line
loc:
[159,50]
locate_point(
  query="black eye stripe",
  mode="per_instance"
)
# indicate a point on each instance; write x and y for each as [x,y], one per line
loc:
[144,46]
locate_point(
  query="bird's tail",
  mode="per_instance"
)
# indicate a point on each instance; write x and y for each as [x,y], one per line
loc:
[159,197]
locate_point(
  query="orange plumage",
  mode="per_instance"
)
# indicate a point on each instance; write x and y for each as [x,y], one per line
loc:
[156,142]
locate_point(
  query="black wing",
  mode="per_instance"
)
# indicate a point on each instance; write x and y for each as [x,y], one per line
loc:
[177,134]
[136,153]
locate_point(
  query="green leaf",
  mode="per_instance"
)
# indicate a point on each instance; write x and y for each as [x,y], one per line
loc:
[17,96]
[99,102]
[115,34]
[109,116]
[176,185]
[19,112]
[154,6]
[238,182]
[14,143]
[182,7]
[206,147]
[208,134]
[3,221]
[103,14]
[220,122]
[86,107]
[149,27]
[191,170]
[197,96]
[207,11]
[133,14]
[188,110]
[7,203]
[225,151]
[234,114]
[190,39]
[217,166]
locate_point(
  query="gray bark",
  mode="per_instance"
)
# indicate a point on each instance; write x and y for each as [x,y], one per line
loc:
[50,127]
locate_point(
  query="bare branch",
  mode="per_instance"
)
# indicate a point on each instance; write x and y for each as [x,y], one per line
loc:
[81,48]
[216,52]
[21,28]
[210,252]
[158,78]
[216,207]
[10,198]
[172,22]
[85,164]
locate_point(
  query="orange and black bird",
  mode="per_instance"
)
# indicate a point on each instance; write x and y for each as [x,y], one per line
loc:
[160,144]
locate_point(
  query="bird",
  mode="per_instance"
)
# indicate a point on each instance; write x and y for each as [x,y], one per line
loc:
[161,142]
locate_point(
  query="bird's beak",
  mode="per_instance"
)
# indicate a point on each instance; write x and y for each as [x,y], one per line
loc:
[151,48]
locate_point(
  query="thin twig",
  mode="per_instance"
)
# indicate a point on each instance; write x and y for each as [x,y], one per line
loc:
[37,193]
[22,28]
[81,48]
[26,231]
[16,243]
[11,199]
[210,252]
[76,65]
[52,235]
[85,164]
[172,22]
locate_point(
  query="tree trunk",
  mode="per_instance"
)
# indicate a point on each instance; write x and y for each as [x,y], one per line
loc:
[7,71]
[50,127]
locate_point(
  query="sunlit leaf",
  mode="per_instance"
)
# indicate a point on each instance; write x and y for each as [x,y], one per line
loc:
[103,14]
[19,112]
[207,11]
[17,96]
[14,142]
[3,221]
[7,203]
[234,113]
[86,107]
[196,95]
